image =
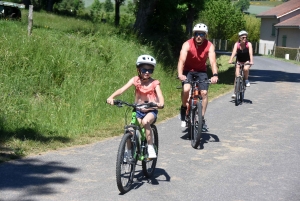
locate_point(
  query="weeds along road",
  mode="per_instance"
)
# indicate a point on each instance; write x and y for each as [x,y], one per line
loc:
[251,152]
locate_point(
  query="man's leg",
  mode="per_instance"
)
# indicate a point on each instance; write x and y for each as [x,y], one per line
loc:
[184,100]
[204,101]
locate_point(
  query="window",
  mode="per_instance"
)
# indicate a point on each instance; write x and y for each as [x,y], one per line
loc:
[284,41]
[273,29]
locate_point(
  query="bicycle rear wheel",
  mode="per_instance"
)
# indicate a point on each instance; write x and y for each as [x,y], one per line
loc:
[125,166]
[148,165]
[196,127]
[237,90]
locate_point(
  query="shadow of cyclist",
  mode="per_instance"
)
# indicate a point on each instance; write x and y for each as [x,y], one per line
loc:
[245,101]
[140,178]
[208,137]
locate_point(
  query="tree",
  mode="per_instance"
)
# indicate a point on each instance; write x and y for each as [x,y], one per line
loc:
[95,9]
[108,6]
[242,5]
[144,11]
[69,7]
[222,19]
[118,3]
[190,10]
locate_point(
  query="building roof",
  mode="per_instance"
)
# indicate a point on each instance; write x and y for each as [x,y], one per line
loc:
[293,22]
[281,10]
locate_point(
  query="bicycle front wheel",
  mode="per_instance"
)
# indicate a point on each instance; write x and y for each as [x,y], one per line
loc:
[196,128]
[149,165]
[125,166]
[237,90]
[242,91]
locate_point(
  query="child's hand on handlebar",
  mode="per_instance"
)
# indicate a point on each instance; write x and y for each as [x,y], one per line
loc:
[110,101]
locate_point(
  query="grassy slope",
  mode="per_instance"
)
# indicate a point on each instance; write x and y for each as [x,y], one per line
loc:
[54,83]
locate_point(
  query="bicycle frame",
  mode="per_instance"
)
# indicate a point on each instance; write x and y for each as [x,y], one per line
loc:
[139,140]
[136,145]
[240,85]
[194,117]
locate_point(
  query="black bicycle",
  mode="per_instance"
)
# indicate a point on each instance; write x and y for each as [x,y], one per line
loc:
[133,148]
[194,119]
[240,85]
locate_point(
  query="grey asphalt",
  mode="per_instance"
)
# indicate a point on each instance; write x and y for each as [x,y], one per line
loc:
[251,152]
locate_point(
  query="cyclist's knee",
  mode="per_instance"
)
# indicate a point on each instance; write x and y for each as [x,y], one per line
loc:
[204,93]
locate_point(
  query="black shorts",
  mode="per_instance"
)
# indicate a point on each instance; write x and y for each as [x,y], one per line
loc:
[194,75]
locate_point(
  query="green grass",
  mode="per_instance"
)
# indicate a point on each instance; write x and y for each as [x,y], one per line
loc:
[54,83]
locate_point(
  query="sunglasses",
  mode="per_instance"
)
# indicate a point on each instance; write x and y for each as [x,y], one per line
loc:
[199,34]
[144,70]
[245,37]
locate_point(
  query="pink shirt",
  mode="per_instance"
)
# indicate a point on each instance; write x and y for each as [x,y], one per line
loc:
[196,57]
[145,93]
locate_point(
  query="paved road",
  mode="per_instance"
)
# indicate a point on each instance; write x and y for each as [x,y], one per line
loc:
[251,152]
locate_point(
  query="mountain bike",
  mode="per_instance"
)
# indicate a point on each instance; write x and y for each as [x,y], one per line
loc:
[194,117]
[240,85]
[133,147]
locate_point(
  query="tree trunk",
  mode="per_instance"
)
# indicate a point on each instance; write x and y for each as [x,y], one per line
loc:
[190,20]
[145,9]
[117,12]
[50,5]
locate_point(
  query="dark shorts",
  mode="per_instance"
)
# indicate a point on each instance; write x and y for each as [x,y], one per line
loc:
[141,115]
[197,76]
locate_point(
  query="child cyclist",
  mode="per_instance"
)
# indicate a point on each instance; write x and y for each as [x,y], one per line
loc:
[147,89]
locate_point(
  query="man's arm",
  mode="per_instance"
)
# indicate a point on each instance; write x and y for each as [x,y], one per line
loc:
[181,61]
[213,63]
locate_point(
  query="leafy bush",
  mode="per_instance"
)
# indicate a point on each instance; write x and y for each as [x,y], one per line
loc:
[280,52]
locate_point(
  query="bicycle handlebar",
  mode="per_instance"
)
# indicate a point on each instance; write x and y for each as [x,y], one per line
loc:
[245,64]
[208,81]
[120,103]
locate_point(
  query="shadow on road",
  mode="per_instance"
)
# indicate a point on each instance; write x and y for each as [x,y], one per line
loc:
[246,101]
[205,138]
[272,76]
[33,174]
[154,180]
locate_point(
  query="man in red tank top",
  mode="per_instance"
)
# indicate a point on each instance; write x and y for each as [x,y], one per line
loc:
[192,66]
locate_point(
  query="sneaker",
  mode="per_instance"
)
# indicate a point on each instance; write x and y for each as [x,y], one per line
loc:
[151,152]
[247,83]
[183,124]
[233,96]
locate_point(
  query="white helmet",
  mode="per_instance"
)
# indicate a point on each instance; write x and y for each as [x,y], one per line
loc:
[200,27]
[145,59]
[243,33]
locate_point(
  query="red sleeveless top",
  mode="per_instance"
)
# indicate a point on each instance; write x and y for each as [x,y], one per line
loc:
[196,57]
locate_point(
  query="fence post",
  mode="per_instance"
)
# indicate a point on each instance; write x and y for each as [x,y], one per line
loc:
[265,49]
[220,42]
[214,42]
[30,20]
[225,45]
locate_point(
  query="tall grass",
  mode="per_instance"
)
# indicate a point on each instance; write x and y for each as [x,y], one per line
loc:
[54,83]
